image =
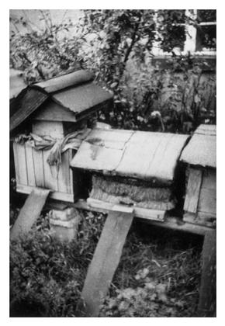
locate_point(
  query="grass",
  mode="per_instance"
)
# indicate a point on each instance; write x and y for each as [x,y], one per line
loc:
[158,274]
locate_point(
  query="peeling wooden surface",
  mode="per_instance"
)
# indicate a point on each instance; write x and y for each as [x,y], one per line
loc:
[29,212]
[105,261]
[136,154]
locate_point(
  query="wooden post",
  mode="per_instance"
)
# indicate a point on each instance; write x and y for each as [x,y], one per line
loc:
[104,263]
[207,300]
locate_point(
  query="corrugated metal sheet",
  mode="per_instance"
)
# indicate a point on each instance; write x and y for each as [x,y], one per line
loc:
[82,97]
[26,104]
[201,149]
[59,83]
[137,154]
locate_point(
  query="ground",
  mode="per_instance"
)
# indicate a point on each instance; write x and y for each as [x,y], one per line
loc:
[158,275]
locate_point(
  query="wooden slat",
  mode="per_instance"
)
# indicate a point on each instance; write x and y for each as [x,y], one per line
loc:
[105,261]
[207,300]
[65,177]
[50,173]
[54,195]
[30,166]
[193,190]
[209,179]
[20,163]
[29,212]
[38,168]
[207,202]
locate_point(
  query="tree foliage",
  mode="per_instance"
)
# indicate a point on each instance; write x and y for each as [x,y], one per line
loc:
[117,46]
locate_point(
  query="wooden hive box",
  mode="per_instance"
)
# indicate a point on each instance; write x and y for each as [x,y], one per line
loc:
[131,168]
[200,157]
[52,110]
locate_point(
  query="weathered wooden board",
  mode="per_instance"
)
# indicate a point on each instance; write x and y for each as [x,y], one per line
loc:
[30,166]
[150,214]
[207,300]
[138,154]
[33,170]
[65,175]
[201,149]
[53,194]
[20,163]
[207,202]
[50,173]
[105,261]
[29,212]
[193,190]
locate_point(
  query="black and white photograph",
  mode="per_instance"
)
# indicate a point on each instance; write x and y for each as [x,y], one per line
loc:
[112,162]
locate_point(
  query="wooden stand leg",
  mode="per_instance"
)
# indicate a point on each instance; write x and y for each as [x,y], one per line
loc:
[207,300]
[104,263]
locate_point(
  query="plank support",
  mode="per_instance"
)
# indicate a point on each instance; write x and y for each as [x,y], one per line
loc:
[105,262]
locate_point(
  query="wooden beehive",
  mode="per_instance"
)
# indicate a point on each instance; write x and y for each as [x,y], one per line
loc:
[200,156]
[131,168]
[54,108]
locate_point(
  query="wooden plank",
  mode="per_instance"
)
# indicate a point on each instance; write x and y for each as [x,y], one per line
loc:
[172,223]
[209,179]
[207,300]
[193,190]
[50,173]
[38,168]
[48,128]
[105,261]
[30,166]
[20,163]
[65,175]
[54,195]
[150,214]
[200,219]
[29,212]
[207,202]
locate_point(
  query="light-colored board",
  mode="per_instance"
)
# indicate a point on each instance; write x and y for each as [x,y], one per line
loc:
[149,214]
[193,190]
[54,112]
[138,154]
[20,163]
[54,195]
[207,202]
[201,150]
[105,261]
[207,300]
[200,219]
[50,173]
[30,166]
[29,212]
[65,177]
[48,128]
[38,168]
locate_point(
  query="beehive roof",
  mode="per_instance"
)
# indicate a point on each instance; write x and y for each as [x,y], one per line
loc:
[127,153]
[201,149]
[75,92]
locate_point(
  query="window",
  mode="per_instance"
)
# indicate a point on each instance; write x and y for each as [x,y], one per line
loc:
[193,31]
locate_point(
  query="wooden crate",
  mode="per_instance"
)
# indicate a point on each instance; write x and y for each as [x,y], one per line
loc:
[200,200]
[33,170]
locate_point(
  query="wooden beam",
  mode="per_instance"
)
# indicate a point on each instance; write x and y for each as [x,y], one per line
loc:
[105,261]
[207,300]
[29,212]
[173,223]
